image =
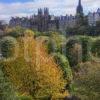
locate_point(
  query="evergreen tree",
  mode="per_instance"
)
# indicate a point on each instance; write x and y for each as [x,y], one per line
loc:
[8,45]
[6,89]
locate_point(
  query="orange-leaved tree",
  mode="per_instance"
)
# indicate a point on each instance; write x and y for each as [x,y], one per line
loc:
[34,71]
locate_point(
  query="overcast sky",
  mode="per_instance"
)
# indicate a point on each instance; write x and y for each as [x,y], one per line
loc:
[20,8]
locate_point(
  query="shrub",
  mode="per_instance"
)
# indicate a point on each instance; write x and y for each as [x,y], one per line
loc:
[6,89]
[55,43]
[63,62]
[96,48]
[74,51]
[29,33]
[87,81]
[8,45]
[16,32]
[25,98]
[51,46]
[86,48]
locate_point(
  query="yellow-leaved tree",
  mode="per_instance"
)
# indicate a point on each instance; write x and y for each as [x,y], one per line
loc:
[34,71]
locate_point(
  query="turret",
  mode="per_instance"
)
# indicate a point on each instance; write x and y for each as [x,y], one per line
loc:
[46,11]
[40,12]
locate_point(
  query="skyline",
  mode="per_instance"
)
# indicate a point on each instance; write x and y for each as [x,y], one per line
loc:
[9,8]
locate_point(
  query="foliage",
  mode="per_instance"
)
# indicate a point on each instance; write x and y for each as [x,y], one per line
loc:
[15,32]
[62,61]
[8,46]
[29,33]
[50,47]
[73,51]
[86,48]
[96,48]
[78,49]
[71,31]
[98,28]
[34,71]
[84,29]
[6,90]
[55,42]
[24,97]
[87,81]
[81,28]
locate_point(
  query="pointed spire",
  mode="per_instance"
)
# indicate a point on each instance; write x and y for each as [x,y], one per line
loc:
[79,2]
[79,8]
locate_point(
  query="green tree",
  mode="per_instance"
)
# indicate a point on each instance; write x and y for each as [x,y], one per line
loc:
[63,62]
[6,89]
[86,48]
[55,42]
[96,48]
[73,51]
[8,46]
[98,28]
[71,31]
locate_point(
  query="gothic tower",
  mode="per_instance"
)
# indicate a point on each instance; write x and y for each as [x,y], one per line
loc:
[46,11]
[40,12]
[46,19]
[40,20]
[79,8]
[79,14]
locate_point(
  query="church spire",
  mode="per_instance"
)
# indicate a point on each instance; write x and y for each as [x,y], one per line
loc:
[79,8]
[79,2]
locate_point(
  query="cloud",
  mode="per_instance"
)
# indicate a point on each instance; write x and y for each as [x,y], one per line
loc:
[57,7]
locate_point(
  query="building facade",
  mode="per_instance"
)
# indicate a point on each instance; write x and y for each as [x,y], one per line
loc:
[94,17]
[67,21]
[43,21]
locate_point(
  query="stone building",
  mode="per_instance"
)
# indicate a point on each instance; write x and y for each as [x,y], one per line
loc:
[94,17]
[43,21]
[66,21]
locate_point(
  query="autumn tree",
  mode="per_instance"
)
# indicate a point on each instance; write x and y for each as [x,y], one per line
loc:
[34,71]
